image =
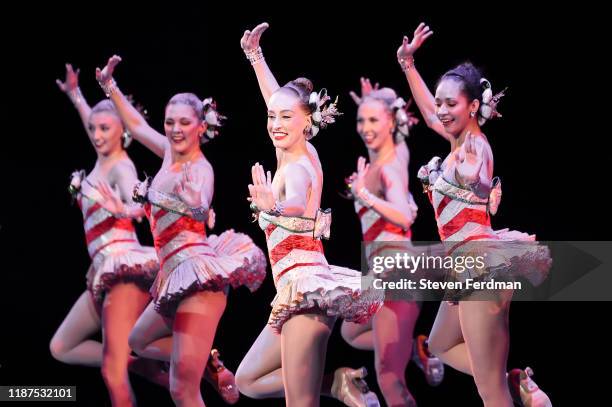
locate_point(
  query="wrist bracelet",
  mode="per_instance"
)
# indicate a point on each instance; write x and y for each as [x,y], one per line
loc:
[254,56]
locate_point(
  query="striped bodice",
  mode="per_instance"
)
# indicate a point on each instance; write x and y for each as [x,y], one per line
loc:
[294,242]
[460,214]
[103,231]
[177,236]
[376,228]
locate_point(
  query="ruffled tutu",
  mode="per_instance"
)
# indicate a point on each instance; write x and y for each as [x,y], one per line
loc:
[509,254]
[230,259]
[135,265]
[464,224]
[331,290]
[305,282]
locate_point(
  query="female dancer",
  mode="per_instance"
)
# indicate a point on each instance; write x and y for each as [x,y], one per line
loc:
[121,271]
[386,210]
[310,292]
[190,291]
[471,336]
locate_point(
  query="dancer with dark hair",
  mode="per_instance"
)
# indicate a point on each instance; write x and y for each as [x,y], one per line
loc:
[471,335]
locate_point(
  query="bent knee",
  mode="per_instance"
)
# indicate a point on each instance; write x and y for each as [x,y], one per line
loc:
[137,341]
[245,381]
[436,346]
[348,331]
[57,348]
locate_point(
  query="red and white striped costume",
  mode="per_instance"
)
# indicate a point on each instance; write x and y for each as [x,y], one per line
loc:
[304,281]
[116,254]
[375,228]
[190,261]
[463,217]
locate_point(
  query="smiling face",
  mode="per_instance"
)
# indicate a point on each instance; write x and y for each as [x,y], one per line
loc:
[453,107]
[183,128]
[374,124]
[105,130]
[287,119]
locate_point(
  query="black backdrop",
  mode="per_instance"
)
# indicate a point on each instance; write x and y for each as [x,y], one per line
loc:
[545,152]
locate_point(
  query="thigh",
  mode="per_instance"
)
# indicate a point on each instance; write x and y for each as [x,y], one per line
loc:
[485,329]
[446,330]
[193,332]
[351,330]
[122,306]
[81,322]
[393,331]
[149,327]
[264,356]
[303,347]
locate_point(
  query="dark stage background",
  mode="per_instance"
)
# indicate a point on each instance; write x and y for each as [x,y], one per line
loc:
[545,152]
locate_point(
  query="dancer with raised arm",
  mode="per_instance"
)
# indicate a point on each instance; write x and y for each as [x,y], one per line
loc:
[288,357]
[386,210]
[121,271]
[471,335]
[190,291]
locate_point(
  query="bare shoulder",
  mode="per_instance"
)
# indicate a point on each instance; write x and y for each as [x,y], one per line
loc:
[122,167]
[297,169]
[482,144]
[393,175]
[203,166]
[484,148]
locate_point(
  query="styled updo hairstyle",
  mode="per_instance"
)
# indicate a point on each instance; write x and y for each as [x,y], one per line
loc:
[189,99]
[205,110]
[105,106]
[469,77]
[302,88]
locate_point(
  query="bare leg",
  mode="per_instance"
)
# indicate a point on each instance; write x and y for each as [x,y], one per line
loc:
[393,335]
[194,328]
[359,336]
[303,347]
[485,328]
[70,343]
[446,339]
[151,337]
[122,306]
[153,370]
[260,375]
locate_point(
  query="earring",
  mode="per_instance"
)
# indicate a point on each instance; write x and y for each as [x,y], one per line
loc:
[307,130]
[126,138]
[472,114]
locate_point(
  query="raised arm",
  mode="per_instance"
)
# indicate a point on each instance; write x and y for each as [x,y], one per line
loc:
[366,89]
[70,87]
[421,94]
[250,45]
[133,120]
